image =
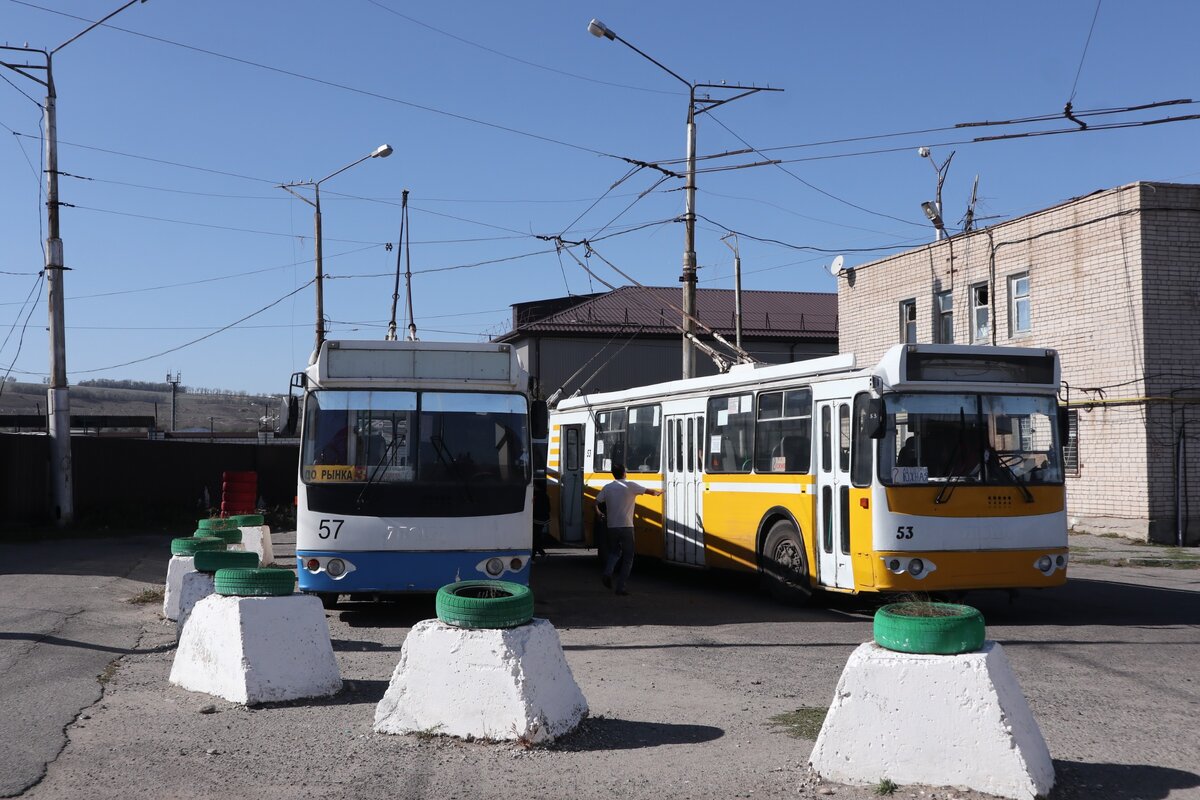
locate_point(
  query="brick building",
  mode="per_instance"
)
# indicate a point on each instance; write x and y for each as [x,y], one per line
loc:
[1112,281]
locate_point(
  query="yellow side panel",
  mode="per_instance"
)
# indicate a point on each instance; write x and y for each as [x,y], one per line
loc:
[860,539]
[731,519]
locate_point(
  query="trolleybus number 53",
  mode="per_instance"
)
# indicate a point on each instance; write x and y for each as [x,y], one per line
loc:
[902,532]
[334,527]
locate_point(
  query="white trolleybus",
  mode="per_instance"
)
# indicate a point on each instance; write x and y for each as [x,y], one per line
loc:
[415,467]
[936,470]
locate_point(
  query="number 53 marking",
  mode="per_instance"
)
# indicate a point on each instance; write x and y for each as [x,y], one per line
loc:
[904,532]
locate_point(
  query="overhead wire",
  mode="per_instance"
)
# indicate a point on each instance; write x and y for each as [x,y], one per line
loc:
[37,286]
[329,83]
[1086,44]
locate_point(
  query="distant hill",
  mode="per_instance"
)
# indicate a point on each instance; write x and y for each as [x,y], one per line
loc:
[229,410]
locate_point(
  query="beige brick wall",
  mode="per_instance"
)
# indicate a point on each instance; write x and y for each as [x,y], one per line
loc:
[1114,282]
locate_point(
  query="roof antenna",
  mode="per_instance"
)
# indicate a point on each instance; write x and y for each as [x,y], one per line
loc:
[406,247]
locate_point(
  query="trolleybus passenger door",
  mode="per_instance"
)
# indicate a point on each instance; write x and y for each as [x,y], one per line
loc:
[570,484]
[683,489]
[833,494]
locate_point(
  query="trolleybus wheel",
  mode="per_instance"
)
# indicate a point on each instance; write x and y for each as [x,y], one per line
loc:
[784,565]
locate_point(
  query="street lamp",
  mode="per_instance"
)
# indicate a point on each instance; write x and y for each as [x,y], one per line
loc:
[696,106]
[383,151]
[934,210]
[58,404]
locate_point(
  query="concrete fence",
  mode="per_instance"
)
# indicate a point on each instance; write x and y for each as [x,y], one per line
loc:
[138,476]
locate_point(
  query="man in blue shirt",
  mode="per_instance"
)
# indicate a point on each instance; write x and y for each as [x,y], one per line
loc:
[618,499]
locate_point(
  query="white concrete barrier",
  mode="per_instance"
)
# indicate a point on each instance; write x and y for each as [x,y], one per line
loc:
[257,649]
[497,684]
[176,569]
[195,587]
[938,720]
[257,539]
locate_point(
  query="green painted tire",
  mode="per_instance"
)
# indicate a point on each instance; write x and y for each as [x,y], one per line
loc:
[213,560]
[229,535]
[247,520]
[955,629]
[484,604]
[264,582]
[190,545]
[215,524]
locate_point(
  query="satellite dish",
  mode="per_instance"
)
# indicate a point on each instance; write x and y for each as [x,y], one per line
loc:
[835,268]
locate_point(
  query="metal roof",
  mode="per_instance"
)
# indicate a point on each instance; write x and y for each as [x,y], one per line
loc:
[774,315]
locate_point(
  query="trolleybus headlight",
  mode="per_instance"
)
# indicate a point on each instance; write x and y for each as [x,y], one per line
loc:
[312,565]
[1044,564]
[515,564]
[1061,561]
[894,565]
[494,566]
[916,567]
[335,568]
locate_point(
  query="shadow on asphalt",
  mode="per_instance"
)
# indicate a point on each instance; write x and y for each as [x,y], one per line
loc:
[140,558]
[60,642]
[603,733]
[1082,779]
[1084,601]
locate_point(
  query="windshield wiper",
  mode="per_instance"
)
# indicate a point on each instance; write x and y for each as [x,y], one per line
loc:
[950,467]
[1012,476]
[439,447]
[387,452]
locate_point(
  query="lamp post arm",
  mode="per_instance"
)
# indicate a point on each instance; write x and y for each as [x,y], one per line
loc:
[343,169]
[287,187]
[95,24]
[654,61]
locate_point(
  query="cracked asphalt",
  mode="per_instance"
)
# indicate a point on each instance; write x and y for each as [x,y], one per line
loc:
[683,678]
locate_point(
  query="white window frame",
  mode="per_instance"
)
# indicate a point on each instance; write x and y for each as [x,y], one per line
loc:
[978,336]
[908,320]
[1014,301]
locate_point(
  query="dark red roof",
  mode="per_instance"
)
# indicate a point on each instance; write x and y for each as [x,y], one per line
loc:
[774,315]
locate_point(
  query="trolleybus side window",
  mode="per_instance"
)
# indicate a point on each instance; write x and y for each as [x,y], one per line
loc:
[783,432]
[610,440]
[844,438]
[572,449]
[826,440]
[644,440]
[730,441]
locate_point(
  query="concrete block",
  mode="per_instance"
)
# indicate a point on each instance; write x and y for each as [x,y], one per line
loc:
[257,539]
[497,684]
[257,649]
[195,587]
[957,721]
[176,569]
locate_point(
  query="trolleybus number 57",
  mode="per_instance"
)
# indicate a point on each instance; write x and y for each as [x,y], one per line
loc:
[330,526]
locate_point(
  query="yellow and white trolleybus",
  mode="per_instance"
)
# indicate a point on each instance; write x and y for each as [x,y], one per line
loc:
[937,469]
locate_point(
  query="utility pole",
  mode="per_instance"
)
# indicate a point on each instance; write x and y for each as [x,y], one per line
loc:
[58,405]
[174,386]
[737,287]
[696,106]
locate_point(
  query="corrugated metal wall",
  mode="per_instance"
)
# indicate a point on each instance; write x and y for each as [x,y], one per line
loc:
[150,476]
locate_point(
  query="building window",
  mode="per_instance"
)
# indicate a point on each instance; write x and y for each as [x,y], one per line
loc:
[943,304]
[981,318]
[1018,304]
[1071,445]
[908,321]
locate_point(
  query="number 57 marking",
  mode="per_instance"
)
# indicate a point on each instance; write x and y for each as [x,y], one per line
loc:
[330,527]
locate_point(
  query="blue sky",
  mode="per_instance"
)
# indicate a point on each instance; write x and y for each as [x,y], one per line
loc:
[509,121]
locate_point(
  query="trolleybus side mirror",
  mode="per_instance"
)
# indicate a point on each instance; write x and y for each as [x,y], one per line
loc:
[875,423]
[1064,425]
[540,419]
[289,416]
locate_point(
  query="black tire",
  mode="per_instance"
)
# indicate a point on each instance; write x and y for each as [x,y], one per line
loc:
[213,560]
[484,604]
[328,599]
[190,545]
[265,582]
[784,564]
[909,628]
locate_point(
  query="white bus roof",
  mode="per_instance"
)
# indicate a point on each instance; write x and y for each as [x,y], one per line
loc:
[905,367]
[446,365]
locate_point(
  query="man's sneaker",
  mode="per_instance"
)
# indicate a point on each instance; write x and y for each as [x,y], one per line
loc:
[607,581]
